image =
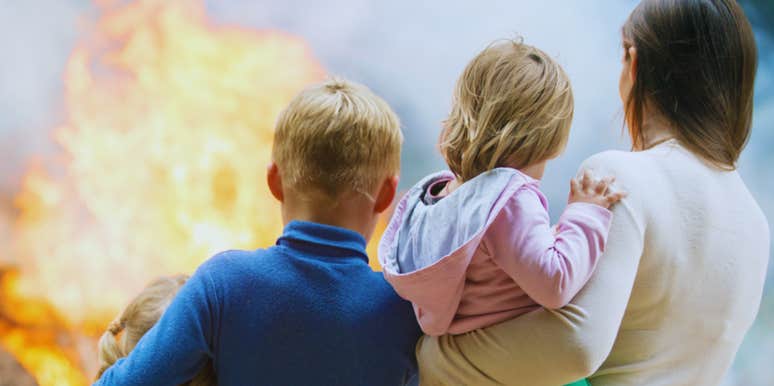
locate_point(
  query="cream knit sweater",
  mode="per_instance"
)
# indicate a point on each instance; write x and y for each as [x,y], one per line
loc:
[674,294]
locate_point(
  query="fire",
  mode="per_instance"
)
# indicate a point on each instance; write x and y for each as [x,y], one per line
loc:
[164,147]
[28,328]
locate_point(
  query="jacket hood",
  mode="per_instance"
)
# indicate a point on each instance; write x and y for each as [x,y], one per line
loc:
[429,243]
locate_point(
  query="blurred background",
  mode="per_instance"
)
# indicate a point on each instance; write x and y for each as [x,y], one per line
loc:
[134,135]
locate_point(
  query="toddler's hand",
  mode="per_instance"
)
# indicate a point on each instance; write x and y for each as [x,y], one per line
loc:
[585,189]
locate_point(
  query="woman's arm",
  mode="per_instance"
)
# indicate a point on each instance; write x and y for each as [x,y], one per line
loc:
[549,347]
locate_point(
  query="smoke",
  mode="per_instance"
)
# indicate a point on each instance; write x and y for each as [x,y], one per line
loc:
[36,37]
[412,52]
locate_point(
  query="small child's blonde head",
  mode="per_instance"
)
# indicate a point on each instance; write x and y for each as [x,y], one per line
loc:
[513,106]
[137,318]
[336,136]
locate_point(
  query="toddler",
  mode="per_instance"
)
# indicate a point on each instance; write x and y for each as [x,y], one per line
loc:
[137,318]
[473,247]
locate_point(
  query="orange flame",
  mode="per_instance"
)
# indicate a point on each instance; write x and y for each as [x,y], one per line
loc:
[168,132]
[28,327]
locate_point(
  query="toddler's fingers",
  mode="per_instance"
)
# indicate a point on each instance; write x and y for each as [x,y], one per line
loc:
[575,185]
[612,198]
[609,180]
[586,180]
[601,187]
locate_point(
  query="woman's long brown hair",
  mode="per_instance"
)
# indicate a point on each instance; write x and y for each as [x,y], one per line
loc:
[696,66]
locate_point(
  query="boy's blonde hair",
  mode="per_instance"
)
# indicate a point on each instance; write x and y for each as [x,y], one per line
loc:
[337,136]
[512,106]
[138,317]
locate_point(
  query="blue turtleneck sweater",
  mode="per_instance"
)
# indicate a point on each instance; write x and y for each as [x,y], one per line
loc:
[307,311]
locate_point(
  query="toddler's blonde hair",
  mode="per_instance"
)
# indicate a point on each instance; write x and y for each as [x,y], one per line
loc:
[137,318]
[337,136]
[512,106]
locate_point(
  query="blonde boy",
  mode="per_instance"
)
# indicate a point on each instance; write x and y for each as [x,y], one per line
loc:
[309,310]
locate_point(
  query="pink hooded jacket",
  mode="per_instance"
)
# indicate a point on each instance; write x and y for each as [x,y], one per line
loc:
[487,252]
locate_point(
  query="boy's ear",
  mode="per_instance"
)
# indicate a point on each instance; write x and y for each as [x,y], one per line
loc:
[274,180]
[386,194]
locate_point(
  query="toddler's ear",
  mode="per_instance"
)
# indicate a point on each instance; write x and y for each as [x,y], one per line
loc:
[386,194]
[274,180]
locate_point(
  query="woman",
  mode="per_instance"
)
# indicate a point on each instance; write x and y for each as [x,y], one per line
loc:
[681,280]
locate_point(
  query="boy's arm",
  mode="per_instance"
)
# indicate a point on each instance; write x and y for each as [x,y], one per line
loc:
[551,266]
[176,348]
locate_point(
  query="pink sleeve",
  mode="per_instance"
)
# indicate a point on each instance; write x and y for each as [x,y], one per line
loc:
[551,266]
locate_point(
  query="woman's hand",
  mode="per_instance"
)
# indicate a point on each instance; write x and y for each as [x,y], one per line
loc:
[586,189]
